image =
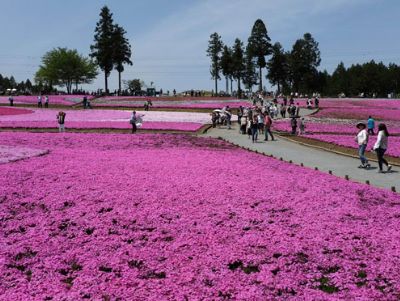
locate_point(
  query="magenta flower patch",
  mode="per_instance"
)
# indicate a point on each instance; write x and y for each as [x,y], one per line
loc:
[174,217]
[348,141]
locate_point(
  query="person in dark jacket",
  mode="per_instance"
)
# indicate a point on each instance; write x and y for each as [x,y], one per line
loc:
[293,124]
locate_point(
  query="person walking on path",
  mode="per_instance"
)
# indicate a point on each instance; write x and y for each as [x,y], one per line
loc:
[316,102]
[283,111]
[297,110]
[84,102]
[293,124]
[61,121]
[371,125]
[243,124]
[260,121]
[254,129]
[46,102]
[39,98]
[362,141]
[302,126]
[267,127]
[381,146]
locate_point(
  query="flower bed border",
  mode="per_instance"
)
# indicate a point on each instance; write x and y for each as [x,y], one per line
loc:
[337,149]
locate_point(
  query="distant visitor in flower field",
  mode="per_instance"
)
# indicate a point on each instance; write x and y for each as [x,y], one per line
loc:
[61,121]
[371,125]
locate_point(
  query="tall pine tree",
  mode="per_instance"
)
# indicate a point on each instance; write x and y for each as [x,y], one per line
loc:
[305,57]
[250,75]
[122,52]
[226,65]
[215,46]
[278,67]
[238,63]
[259,46]
[103,48]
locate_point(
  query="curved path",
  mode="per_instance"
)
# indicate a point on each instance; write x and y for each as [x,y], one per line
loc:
[325,161]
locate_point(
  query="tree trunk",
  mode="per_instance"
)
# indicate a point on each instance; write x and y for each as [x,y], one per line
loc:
[239,89]
[260,79]
[106,83]
[216,85]
[227,84]
[279,88]
[119,83]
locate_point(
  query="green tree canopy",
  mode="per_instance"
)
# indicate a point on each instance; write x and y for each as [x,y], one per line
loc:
[103,49]
[121,52]
[227,64]
[134,85]
[250,75]
[259,46]
[215,46]
[238,63]
[278,67]
[305,58]
[64,67]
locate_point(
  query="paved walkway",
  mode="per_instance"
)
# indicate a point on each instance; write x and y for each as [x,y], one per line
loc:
[326,161]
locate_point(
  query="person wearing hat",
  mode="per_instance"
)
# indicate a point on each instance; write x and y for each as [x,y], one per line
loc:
[362,140]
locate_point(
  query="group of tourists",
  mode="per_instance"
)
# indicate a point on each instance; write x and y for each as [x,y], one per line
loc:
[380,147]
[40,101]
[222,117]
[255,121]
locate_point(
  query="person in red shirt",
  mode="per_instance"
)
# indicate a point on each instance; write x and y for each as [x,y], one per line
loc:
[267,127]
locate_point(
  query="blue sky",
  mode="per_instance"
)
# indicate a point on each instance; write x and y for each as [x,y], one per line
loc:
[169,38]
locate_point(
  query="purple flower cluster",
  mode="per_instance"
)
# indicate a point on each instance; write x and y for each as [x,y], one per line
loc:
[316,126]
[359,113]
[173,217]
[172,104]
[13,111]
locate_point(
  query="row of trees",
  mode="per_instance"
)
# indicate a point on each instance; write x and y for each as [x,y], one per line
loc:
[25,87]
[294,70]
[10,83]
[65,67]
[369,79]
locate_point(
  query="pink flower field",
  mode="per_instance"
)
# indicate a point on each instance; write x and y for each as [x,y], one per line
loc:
[67,100]
[348,141]
[105,119]
[174,217]
[359,113]
[179,103]
[330,127]
[13,111]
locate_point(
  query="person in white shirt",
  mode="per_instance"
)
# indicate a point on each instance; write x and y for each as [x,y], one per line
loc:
[362,141]
[381,146]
